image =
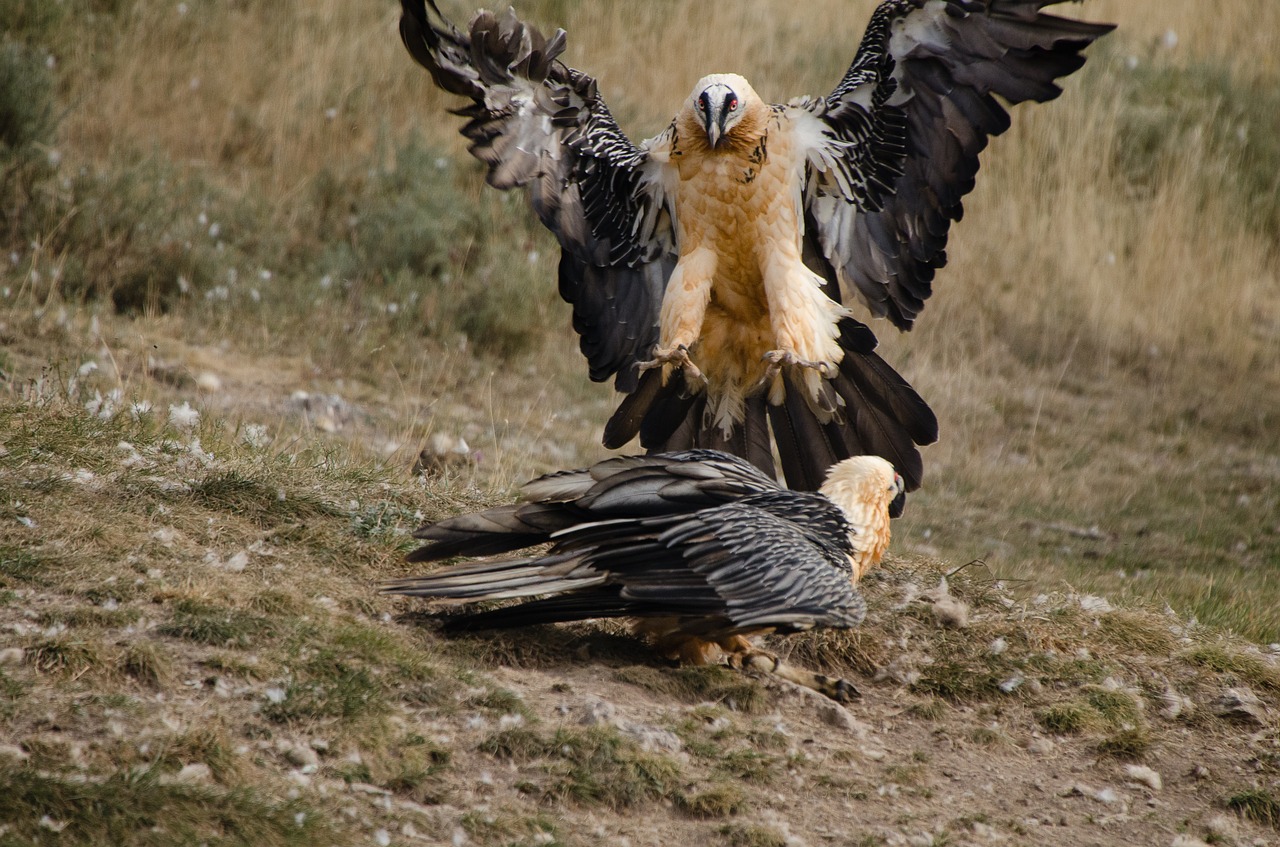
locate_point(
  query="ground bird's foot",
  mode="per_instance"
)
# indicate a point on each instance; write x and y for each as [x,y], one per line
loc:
[759,661]
[777,359]
[676,357]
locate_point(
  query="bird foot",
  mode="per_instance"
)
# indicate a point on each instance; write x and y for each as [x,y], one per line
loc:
[760,661]
[777,359]
[676,357]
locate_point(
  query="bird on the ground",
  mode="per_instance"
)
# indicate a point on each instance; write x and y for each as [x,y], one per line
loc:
[710,268]
[699,548]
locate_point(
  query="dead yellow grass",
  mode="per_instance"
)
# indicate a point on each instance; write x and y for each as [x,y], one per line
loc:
[1102,349]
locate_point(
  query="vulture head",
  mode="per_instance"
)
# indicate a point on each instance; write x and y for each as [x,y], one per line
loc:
[727,109]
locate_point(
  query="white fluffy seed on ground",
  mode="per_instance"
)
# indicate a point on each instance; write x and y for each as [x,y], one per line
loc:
[210,383]
[183,417]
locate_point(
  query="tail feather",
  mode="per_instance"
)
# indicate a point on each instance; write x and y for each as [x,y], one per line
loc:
[502,580]
[878,380]
[497,530]
[635,410]
[805,445]
[578,606]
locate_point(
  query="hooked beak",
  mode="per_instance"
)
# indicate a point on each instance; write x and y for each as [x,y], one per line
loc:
[897,504]
[714,116]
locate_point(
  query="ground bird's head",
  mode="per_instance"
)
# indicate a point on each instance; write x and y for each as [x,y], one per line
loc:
[726,108]
[870,492]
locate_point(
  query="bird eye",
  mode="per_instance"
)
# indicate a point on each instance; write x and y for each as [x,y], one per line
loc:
[733,104]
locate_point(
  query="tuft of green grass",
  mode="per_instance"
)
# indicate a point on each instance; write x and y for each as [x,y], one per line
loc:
[210,744]
[21,567]
[1128,743]
[1246,667]
[748,765]
[141,808]
[719,801]
[593,767]
[1258,805]
[216,626]
[511,828]
[91,616]
[146,663]
[330,686]
[11,693]
[1068,718]
[64,655]
[750,835]
[262,502]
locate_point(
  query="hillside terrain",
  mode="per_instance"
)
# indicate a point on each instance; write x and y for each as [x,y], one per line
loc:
[260,318]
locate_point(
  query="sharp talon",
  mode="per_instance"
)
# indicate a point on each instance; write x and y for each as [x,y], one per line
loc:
[844,692]
[778,358]
[677,357]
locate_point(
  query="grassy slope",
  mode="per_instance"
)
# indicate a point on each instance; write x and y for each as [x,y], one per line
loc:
[1101,352]
[194,652]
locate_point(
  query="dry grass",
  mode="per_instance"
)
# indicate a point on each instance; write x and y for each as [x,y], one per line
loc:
[1102,351]
[278,700]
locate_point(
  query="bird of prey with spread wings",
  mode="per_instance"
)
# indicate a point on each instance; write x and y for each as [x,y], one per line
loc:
[699,548]
[710,268]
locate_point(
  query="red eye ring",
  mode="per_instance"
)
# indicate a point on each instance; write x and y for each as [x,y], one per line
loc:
[733,104]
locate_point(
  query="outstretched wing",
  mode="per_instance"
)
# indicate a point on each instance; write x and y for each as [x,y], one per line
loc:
[541,125]
[899,137]
[733,568]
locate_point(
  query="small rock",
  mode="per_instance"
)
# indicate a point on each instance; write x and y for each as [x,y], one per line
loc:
[12,656]
[1241,704]
[1144,775]
[833,714]
[1041,746]
[443,453]
[1223,829]
[296,754]
[382,838]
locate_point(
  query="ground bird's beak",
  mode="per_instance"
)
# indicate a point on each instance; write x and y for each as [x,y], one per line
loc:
[899,502]
[717,106]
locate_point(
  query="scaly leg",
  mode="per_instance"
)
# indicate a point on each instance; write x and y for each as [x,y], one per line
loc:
[761,661]
[684,307]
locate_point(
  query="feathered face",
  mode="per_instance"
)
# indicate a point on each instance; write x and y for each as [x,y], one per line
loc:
[719,102]
[866,485]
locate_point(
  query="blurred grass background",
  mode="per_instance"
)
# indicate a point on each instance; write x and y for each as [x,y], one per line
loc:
[277,185]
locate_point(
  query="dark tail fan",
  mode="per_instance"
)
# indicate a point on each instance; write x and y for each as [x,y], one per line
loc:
[880,414]
[497,530]
[578,606]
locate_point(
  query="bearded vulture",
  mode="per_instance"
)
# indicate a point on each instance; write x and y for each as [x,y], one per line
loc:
[710,268]
[699,548]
